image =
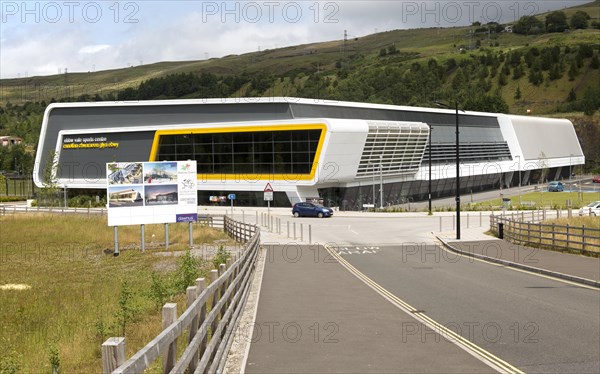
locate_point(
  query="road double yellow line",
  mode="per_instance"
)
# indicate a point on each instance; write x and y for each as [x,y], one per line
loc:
[470,347]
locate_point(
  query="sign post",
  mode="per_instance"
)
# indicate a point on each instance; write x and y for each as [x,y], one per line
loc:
[231,197]
[268,197]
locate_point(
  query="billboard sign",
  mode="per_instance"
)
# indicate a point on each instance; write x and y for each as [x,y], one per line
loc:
[151,192]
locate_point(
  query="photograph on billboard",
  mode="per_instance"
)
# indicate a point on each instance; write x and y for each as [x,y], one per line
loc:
[124,173]
[165,194]
[125,196]
[160,172]
[151,192]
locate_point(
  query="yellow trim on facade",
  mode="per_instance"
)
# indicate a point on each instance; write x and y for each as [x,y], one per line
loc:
[243,176]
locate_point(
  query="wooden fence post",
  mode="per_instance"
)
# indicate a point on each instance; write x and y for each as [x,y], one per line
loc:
[553,235]
[169,315]
[113,354]
[214,274]
[224,286]
[583,238]
[201,286]
[192,294]
[568,238]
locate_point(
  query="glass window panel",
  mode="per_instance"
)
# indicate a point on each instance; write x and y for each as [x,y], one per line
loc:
[266,168]
[223,159]
[223,148]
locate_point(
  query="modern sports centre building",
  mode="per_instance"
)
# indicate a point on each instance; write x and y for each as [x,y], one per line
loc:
[335,151]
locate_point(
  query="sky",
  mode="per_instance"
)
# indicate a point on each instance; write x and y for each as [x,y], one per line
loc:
[47,37]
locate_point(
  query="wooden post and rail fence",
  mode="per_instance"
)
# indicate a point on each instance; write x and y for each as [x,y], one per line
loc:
[210,318]
[533,232]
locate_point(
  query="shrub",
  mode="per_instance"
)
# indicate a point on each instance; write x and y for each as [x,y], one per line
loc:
[221,257]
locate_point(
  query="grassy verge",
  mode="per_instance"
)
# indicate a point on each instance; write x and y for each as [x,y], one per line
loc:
[538,200]
[577,228]
[79,293]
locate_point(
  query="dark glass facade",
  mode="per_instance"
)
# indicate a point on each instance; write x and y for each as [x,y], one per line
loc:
[352,198]
[258,152]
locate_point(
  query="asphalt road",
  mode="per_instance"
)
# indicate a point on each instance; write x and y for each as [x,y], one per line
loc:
[536,324]
[314,316]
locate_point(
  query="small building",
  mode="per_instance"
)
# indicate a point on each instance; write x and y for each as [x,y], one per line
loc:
[6,141]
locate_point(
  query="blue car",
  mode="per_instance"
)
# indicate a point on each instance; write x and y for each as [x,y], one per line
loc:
[311,210]
[556,187]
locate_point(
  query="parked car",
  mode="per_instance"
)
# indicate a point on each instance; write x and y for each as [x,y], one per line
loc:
[556,187]
[592,209]
[596,179]
[311,210]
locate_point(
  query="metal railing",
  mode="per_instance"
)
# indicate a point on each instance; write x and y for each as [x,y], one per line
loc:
[544,235]
[209,335]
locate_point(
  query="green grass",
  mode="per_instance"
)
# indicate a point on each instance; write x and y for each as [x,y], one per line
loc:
[75,283]
[558,235]
[544,200]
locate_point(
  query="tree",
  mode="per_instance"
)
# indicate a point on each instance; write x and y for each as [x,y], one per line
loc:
[518,72]
[580,20]
[556,22]
[49,180]
[529,25]
[595,64]
[573,71]
[555,73]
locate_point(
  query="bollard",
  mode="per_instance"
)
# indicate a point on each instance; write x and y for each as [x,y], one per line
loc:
[294,230]
[309,234]
[288,229]
[480,219]
[453,223]
[440,223]
[301,232]
[467,220]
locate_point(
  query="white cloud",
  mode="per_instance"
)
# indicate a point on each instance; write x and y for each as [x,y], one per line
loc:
[92,49]
[183,30]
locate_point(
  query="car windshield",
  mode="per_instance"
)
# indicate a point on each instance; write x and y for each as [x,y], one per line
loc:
[591,205]
[318,205]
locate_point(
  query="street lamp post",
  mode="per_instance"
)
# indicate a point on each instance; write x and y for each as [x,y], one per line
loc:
[457,198]
[570,163]
[430,134]
[381,181]
[373,175]
[519,171]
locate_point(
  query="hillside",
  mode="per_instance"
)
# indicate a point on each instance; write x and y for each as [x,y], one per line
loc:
[417,45]
[480,66]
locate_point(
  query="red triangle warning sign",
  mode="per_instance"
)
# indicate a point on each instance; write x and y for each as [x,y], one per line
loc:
[268,188]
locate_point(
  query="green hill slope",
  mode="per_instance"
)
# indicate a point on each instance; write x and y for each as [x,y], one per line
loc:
[329,64]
